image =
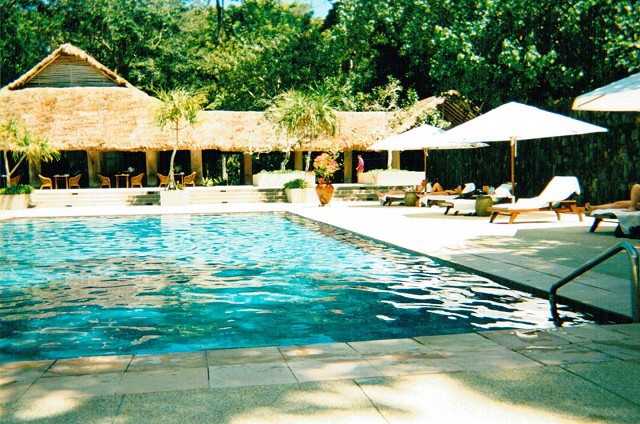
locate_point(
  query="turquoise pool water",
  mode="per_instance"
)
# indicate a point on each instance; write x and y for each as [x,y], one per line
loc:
[95,286]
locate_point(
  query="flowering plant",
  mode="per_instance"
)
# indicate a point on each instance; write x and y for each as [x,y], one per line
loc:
[325,166]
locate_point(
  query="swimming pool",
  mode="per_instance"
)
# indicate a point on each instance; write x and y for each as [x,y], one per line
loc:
[94,286]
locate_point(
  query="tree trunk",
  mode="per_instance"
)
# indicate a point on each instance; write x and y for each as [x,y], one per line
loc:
[172,177]
[283,164]
[308,162]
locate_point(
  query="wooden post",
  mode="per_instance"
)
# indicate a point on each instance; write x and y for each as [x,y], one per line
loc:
[94,167]
[196,165]
[151,157]
[247,161]
[297,160]
[348,166]
[395,161]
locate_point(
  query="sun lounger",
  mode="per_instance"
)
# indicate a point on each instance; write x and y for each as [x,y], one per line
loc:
[389,199]
[468,206]
[555,197]
[430,199]
[628,221]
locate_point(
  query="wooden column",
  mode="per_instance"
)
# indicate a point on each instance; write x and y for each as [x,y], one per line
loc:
[94,167]
[395,160]
[151,157]
[247,166]
[348,166]
[196,165]
[297,160]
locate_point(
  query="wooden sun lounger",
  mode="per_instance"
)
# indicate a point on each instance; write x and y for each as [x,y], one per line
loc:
[564,206]
[554,197]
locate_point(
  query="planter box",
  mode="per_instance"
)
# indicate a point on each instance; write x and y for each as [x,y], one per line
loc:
[266,179]
[12,202]
[301,195]
[391,178]
[174,197]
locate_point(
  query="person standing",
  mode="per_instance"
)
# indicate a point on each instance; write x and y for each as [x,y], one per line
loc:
[360,167]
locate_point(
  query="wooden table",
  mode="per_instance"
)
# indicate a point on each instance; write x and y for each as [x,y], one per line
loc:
[64,178]
[179,177]
[125,177]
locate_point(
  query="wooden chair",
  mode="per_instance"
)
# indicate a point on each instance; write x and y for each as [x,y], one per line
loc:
[45,182]
[75,181]
[14,181]
[163,180]
[137,180]
[189,180]
[104,181]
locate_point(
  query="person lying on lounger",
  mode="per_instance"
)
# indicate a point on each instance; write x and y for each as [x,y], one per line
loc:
[422,188]
[630,205]
[437,189]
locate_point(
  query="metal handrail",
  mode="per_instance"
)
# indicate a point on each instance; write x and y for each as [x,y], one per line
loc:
[635,277]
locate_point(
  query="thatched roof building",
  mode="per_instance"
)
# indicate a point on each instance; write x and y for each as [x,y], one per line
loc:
[79,104]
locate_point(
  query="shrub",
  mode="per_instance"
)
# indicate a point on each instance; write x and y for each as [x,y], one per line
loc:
[297,183]
[17,189]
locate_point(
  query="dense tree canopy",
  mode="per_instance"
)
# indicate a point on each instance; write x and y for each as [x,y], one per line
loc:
[249,52]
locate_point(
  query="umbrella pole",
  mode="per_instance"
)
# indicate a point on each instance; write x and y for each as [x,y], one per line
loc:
[426,155]
[513,165]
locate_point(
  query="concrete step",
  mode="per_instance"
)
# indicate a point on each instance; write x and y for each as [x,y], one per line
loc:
[197,195]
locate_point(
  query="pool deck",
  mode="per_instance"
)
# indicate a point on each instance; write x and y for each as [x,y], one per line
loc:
[563,375]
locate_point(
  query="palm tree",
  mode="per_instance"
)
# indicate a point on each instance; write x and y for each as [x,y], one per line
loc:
[305,116]
[23,145]
[179,109]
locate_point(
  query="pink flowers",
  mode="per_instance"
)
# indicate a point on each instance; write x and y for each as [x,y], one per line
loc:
[325,166]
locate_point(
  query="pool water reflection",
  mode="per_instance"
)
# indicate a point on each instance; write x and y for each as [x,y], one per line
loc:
[96,286]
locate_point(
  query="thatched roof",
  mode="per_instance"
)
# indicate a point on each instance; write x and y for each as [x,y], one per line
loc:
[79,104]
[111,118]
[68,66]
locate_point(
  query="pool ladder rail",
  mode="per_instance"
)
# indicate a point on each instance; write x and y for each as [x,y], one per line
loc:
[635,286]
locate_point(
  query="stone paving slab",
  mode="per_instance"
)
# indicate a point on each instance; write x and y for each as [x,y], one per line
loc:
[77,386]
[164,380]
[170,360]
[530,395]
[327,402]
[250,375]
[90,365]
[622,378]
[59,409]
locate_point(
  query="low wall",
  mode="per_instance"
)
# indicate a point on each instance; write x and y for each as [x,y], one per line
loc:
[265,179]
[391,178]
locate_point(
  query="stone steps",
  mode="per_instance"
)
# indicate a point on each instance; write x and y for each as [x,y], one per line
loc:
[197,195]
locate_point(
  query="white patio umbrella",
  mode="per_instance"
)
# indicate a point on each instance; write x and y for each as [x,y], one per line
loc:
[620,96]
[516,121]
[425,138]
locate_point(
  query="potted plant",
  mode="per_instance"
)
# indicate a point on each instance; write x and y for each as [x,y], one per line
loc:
[15,197]
[325,165]
[299,191]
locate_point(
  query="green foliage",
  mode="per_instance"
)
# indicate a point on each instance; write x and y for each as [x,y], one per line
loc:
[23,145]
[179,108]
[297,183]
[305,115]
[17,189]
